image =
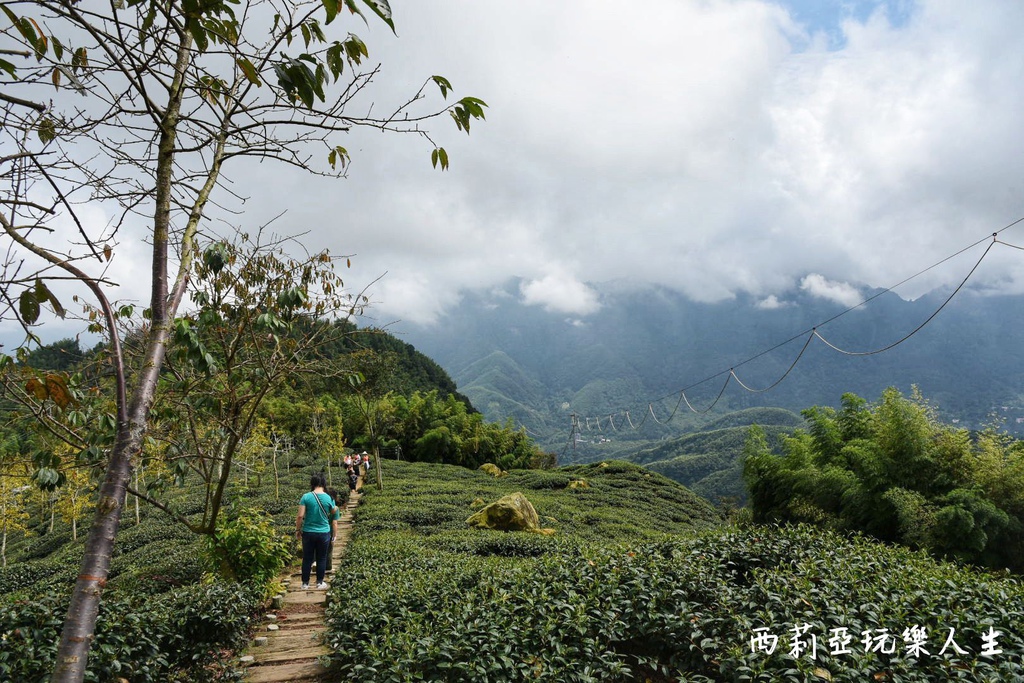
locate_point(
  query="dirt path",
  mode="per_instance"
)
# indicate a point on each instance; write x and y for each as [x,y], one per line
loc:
[294,631]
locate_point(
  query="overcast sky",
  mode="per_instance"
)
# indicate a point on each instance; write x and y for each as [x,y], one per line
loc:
[712,146]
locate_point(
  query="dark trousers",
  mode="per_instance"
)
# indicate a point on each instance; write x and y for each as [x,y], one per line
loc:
[315,546]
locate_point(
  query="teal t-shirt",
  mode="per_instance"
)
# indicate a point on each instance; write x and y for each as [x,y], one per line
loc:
[314,520]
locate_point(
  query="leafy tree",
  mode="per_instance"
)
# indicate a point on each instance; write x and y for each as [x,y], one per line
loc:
[231,352]
[430,428]
[173,95]
[75,498]
[253,451]
[13,506]
[370,379]
[892,470]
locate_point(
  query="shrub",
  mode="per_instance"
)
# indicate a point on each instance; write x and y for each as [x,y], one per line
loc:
[179,634]
[248,549]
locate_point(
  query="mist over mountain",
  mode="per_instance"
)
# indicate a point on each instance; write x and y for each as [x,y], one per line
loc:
[645,345]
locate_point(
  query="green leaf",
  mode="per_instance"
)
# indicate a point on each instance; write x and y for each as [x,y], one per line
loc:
[48,478]
[80,59]
[334,60]
[195,27]
[355,49]
[8,67]
[332,7]
[443,84]
[439,156]
[338,154]
[147,23]
[383,10]
[249,70]
[215,258]
[11,15]
[28,307]
[45,129]
[43,294]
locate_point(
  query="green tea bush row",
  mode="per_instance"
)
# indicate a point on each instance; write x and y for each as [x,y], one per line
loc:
[131,537]
[685,610]
[643,604]
[45,544]
[177,636]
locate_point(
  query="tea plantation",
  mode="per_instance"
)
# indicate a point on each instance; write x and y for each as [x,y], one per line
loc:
[641,582]
[164,616]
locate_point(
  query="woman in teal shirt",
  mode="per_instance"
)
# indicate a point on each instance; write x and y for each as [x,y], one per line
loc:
[316,526]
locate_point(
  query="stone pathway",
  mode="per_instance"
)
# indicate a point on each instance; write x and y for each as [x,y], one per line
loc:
[287,646]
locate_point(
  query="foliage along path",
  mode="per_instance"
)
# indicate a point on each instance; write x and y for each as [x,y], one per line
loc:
[294,631]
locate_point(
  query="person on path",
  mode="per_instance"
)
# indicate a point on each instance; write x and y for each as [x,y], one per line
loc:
[316,525]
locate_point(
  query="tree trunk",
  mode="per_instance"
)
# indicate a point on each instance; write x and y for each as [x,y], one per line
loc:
[79,626]
[277,481]
[376,458]
[3,549]
[80,622]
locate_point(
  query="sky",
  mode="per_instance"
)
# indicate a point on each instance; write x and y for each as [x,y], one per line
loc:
[714,147]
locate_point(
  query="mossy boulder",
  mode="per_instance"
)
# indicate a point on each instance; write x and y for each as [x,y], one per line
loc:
[509,513]
[493,470]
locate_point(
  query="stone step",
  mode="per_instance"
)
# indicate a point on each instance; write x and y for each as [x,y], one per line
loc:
[288,647]
[295,672]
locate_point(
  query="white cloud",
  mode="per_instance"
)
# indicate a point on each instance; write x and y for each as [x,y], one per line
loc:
[560,293]
[839,292]
[771,303]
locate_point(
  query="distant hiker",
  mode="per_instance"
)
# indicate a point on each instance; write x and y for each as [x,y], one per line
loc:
[316,525]
[353,478]
[366,463]
[348,459]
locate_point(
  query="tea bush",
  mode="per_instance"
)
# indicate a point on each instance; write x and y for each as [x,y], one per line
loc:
[177,636]
[650,603]
[44,544]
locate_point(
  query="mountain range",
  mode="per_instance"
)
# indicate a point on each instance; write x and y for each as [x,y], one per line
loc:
[615,381]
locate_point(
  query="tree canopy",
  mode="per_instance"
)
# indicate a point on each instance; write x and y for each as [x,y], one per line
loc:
[892,470]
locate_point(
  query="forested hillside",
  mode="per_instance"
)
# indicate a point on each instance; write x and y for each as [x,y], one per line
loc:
[710,462]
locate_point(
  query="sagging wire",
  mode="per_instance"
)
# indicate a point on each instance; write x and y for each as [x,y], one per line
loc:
[813,332]
[919,327]
[784,375]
